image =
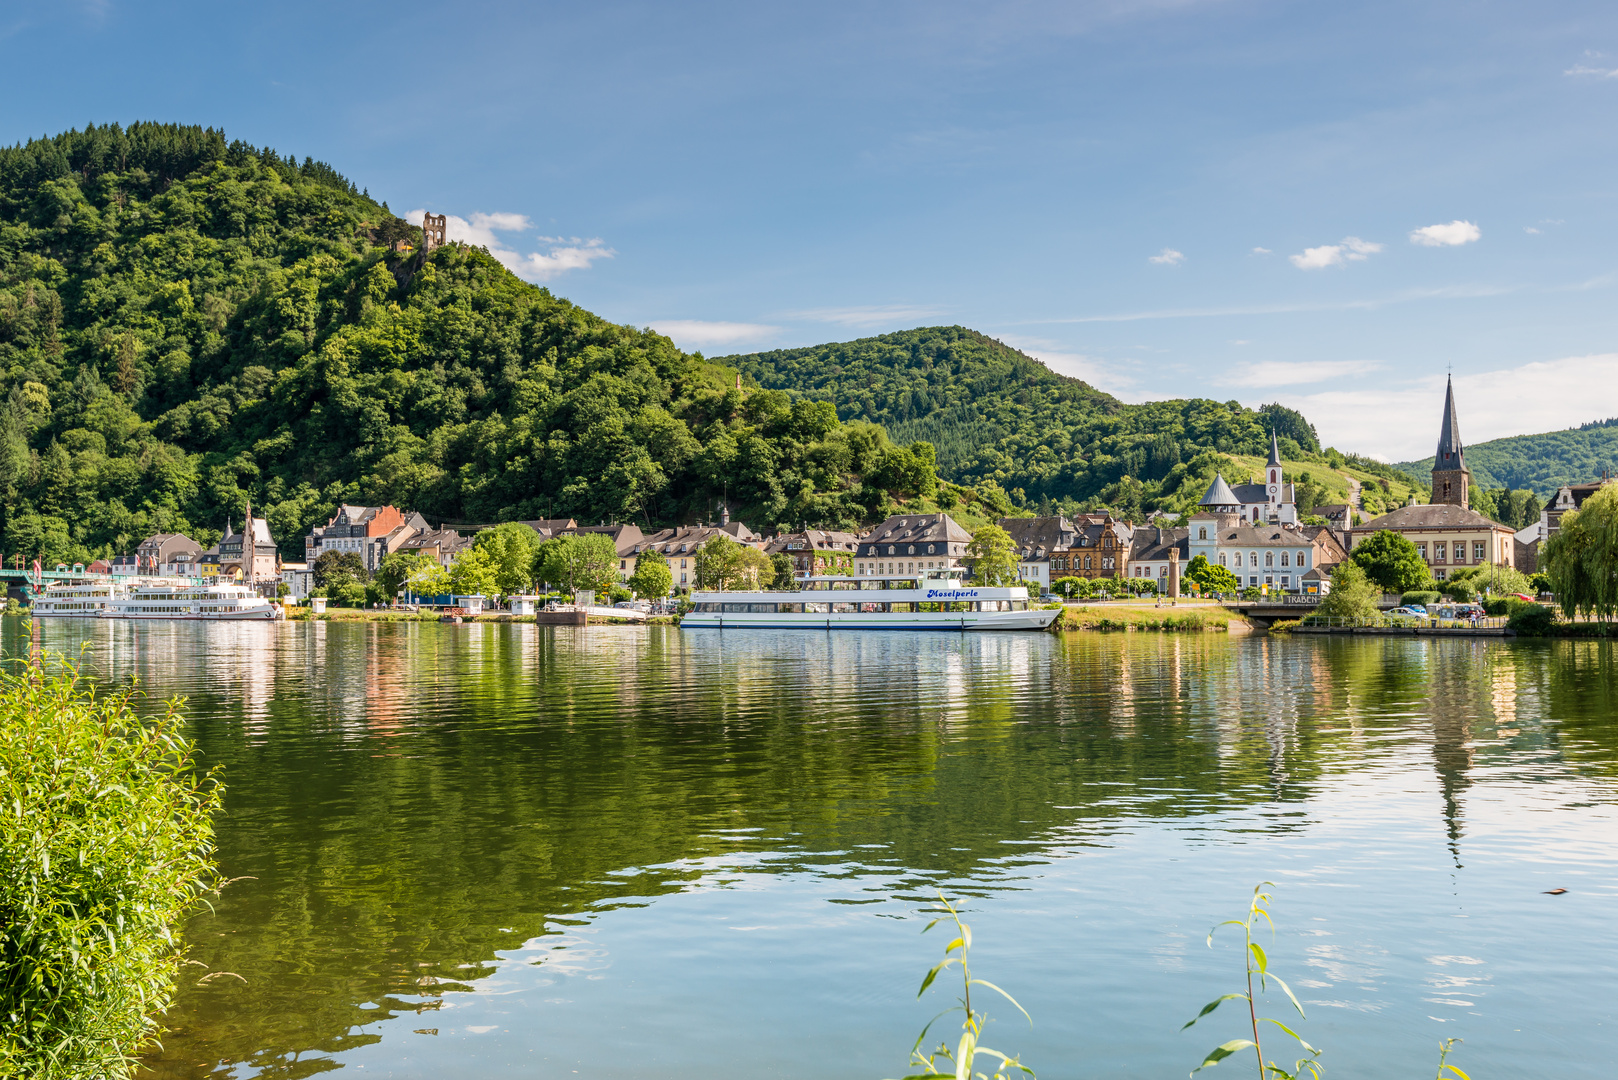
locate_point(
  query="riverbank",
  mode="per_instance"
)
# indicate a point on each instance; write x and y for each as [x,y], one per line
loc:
[1187,616]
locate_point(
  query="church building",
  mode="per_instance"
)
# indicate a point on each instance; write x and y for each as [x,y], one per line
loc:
[1272,502]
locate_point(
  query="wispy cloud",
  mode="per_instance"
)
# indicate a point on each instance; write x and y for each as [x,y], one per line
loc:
[1454,234]
[875,315]
[1167,257]
[1592,72]
[1530,230]
[1400,421]
[1352,249]
[1295,372]
[1262,251]
[560,254]
[1097,371]
[697,334]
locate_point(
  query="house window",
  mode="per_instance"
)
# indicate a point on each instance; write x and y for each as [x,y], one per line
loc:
[929,549]
[1286,558]
[1439,552]
[1303,559]
[1253,579]
[1087,562]
[1202,534]
[1421,549]
[1221,558]
[1286,581]
[1252,559]
[1478,551]
[1439,574]
[1269,558]
[1106,563]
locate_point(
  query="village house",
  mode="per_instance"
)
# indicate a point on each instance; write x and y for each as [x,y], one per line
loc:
[443,545]
[1036,540]
[816,551]
[371,532]
[241,557]
[163,554]
[911,543]
[1158,554]
[1272,556]
[679,546]
[1100,548]
[1448,535]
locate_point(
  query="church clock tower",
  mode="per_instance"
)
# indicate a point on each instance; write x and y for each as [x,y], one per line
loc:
[1451,478]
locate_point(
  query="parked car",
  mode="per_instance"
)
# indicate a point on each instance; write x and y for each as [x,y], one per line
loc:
[1521,596]
[1414,611]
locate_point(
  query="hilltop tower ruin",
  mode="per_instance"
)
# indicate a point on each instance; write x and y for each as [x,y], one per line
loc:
[432,231]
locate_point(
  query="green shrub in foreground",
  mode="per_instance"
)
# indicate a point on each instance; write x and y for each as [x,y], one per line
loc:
[105,842]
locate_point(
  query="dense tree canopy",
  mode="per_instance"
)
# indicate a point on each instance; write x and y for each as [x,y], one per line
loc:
[996,415]
[187,323]
[1391,561]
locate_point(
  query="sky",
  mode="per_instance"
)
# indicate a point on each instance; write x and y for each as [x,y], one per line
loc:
[1329,205]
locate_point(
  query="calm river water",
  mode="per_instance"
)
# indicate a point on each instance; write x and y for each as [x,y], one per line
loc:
[510,851]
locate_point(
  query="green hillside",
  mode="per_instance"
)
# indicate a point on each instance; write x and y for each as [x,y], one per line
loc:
[188,322]
[1538,463]
[998,416]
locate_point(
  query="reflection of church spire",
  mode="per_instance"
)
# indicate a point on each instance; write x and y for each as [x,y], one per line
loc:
[1452,758]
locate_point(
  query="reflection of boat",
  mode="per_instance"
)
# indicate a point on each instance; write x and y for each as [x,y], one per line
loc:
[935,600]
[221,602]
[83,601]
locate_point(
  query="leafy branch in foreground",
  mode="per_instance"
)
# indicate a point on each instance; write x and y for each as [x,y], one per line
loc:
[963,1058]
[106,841]
[1443,1061]
[1258,963]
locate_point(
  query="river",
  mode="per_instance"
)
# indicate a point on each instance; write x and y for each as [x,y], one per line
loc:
[513,851]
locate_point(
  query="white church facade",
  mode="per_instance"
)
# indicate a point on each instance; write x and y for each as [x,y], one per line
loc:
[1273,501]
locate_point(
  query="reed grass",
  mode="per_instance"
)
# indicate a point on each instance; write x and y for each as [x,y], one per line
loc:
[106,842]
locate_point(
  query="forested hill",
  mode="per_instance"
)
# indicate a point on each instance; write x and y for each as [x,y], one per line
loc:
[188,322]
[1538,463]
[997,415]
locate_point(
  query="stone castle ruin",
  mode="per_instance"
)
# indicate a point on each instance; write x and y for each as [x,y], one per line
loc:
[432,231]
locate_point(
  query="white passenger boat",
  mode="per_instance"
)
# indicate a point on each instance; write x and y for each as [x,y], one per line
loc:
[84,600]
[208,602]
[936,600]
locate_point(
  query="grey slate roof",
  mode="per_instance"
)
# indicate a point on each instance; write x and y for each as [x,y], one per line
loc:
[1037,537]
[1429,516]
[1450,451]
[812,540]
[913,528]
[1153,545]
[1219,493]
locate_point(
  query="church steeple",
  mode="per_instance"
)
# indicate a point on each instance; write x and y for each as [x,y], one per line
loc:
[1451,478]
[1275,452]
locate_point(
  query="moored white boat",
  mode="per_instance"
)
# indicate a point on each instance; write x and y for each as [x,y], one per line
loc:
[82,600]
[206,602]
[928,601]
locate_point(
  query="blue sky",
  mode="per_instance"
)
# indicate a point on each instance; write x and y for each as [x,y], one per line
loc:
[1168,198]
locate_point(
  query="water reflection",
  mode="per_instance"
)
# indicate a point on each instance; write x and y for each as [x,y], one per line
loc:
[416,809]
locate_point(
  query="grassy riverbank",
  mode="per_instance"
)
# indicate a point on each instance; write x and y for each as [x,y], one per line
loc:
[1187,615]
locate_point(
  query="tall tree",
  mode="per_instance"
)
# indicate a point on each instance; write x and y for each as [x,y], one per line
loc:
[993,556]
[1390,560]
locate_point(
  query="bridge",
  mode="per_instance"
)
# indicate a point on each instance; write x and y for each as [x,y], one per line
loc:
[1288,606]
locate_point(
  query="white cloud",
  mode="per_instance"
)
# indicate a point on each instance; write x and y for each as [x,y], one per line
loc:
[1530,230]
[1318,258]
[1454,234]
[1295,372]
[1262,251]
[1352,249]
[562,254]
[865,316]
[697,334]
[1400,421]
[1358,249]
[1168,257]
[1599,73]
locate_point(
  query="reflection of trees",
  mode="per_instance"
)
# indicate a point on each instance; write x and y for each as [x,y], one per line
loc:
[411,798]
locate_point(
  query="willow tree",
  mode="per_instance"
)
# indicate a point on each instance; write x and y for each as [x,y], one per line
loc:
[1581,557]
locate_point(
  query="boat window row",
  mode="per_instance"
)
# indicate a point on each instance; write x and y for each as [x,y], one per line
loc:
[898,607]
[854,584]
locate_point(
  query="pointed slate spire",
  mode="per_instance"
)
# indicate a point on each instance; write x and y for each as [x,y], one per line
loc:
[1275,452]
[1449,435]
